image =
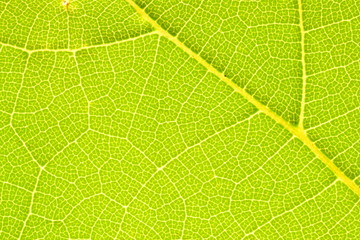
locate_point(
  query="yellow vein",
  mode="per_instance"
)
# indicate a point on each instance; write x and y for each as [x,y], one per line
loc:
[31,204]
[332,24]
[302,33]
[298,132]
[80,48]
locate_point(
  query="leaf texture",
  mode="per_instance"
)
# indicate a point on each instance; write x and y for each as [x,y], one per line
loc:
[136,119]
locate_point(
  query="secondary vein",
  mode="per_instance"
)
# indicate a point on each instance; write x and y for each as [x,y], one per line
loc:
[304,76]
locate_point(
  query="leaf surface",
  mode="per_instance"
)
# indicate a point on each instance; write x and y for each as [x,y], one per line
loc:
[139,119]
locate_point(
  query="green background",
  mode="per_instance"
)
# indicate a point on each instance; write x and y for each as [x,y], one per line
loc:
[111,131]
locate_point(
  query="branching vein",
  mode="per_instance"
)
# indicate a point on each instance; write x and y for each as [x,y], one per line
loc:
[297,131]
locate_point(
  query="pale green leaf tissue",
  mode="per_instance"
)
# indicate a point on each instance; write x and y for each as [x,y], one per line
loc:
[180,119]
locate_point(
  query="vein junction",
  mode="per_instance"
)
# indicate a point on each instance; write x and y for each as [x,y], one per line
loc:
[298,131]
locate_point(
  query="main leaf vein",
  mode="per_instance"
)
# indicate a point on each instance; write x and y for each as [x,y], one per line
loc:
[295,130]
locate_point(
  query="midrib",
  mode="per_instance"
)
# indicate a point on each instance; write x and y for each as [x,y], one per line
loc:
[297,131]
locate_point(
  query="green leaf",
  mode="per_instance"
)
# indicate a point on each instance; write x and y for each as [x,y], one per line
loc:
[167,119]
